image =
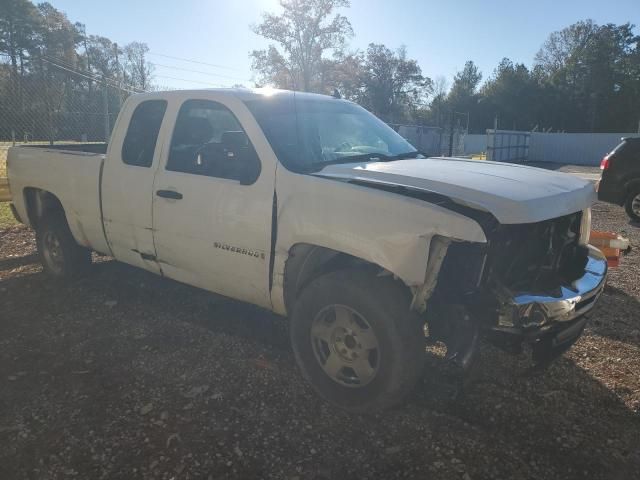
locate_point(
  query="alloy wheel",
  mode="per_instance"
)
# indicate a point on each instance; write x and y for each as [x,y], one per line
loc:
[345,346]
[52,251]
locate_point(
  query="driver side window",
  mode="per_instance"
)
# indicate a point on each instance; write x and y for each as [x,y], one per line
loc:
[209,140]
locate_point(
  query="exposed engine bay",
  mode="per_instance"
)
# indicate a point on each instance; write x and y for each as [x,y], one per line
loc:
[477,284]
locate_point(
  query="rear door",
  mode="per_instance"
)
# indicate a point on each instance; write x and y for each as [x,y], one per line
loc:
[127,182]
[212,206]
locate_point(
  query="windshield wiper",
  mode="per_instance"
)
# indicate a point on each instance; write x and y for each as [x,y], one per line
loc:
[406,155]
[378,157]
[381,157]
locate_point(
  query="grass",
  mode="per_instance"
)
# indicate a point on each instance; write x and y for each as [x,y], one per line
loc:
[6,217]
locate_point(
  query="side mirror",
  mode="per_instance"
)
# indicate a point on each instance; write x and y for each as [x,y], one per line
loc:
[238,149]
[249,167]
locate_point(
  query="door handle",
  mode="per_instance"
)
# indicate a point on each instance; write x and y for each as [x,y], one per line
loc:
[169,194]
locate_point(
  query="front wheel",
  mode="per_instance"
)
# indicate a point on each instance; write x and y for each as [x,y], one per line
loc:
[60,255]
[632,205]
[356,341]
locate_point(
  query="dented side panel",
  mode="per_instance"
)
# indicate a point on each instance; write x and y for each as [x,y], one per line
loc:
[387,229]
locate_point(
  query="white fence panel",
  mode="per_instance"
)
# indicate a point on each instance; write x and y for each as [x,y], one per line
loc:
[475,143]
[507,145]
[573,148]
[425,139]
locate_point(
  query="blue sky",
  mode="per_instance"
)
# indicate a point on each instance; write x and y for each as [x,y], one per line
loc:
[441,35]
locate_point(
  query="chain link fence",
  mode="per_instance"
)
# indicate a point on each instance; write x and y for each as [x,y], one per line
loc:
[55,106]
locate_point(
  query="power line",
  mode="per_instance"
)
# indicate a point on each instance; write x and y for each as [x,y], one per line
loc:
[65,65]
[200,71]
[182,59]
[192,81]
[90,76]
[70,66]
[194,61]
[99,77]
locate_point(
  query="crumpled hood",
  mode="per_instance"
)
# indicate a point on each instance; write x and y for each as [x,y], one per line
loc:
[512,193]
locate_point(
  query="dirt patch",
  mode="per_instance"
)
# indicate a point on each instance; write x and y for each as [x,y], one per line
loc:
[127,375]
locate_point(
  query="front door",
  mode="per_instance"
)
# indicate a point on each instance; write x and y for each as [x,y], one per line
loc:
[212,203]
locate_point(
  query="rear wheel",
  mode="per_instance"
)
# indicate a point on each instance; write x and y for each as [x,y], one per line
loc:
[632,205]
[356,341]
[60,255]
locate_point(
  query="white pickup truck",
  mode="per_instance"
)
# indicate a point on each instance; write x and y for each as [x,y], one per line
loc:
[311,207]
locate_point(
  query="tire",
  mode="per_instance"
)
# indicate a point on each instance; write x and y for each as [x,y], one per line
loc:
[60,255]
[376,308]
[632,204]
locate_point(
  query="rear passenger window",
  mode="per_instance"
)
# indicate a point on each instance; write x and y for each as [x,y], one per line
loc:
[140,141]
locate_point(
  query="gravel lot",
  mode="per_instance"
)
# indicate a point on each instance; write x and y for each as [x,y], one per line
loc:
[126,375]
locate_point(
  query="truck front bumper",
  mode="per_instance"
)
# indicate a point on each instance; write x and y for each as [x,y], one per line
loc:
[551,322]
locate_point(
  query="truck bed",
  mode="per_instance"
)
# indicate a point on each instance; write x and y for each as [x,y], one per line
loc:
[69,172]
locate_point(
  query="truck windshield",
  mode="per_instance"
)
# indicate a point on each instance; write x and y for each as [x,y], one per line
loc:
[309,133]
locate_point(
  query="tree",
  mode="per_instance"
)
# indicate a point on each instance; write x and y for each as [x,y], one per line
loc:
[59,36]
[512,94]
[393,86]
[590,69]
[303,33]
[272,68]
[101,56]
[463,96]
[561,46]
[19,24]
[344,73]
[465,86]
[138,70]
[434,114]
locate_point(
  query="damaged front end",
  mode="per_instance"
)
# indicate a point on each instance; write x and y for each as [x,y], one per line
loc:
[529,284]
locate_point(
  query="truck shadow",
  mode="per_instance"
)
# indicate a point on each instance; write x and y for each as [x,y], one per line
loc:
[557,416]
[214,312]
[15,262]
[617,317]
[565,417]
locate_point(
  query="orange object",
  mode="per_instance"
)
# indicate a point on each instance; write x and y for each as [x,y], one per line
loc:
[610,244]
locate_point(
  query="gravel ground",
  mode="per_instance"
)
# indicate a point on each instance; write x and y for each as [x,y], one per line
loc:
[127,375]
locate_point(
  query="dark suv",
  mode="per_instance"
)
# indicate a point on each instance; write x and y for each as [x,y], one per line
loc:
[620,182]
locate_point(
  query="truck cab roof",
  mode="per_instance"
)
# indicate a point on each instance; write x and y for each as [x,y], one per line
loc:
[244,94]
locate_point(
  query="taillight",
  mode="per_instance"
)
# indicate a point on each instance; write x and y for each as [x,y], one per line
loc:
[605,163]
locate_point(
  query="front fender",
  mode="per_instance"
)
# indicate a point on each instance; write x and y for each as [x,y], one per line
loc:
[384,228]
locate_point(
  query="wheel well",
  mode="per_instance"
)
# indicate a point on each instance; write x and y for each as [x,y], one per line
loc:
[307,262]
[40,203]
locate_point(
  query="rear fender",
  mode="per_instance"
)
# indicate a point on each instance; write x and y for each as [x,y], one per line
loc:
[40,203]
